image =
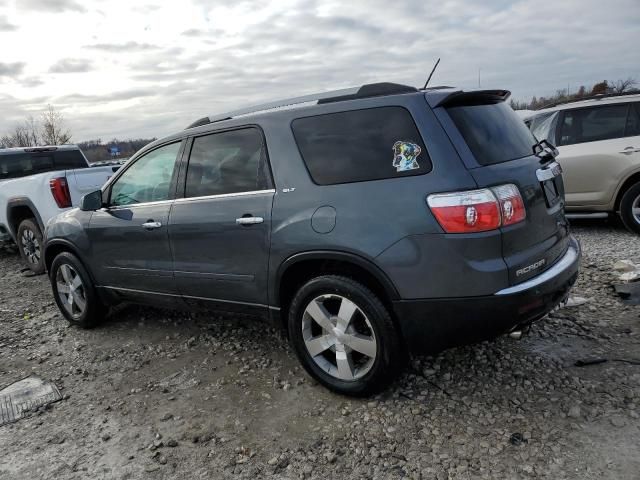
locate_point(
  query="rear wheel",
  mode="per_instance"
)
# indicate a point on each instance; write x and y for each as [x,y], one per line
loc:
[74,292]
[30,245]
[630,208]
[344,336]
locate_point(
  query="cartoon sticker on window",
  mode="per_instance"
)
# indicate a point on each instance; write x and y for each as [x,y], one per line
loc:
[404,156]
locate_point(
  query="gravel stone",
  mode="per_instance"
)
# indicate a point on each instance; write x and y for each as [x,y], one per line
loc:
[231,392]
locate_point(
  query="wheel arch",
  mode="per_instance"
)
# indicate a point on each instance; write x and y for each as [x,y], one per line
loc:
[301,267]
[628,182]
[59,245]
[19,209]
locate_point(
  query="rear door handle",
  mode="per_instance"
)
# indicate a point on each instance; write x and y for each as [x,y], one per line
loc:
[249,220]
[151,225]
[630,150]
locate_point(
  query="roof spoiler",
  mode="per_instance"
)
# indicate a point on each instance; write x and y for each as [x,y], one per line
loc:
[452,98]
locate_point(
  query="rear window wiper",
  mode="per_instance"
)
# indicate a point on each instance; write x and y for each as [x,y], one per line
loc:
[545,150]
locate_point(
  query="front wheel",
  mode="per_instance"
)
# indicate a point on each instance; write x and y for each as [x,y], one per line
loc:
[630,208]
[344,336]
[30,245]
[74,292]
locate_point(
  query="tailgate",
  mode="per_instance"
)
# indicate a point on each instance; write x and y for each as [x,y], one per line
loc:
[498,148]
[532,246]
[87,180]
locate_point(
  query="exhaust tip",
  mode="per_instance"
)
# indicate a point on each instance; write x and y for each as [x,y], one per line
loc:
[516,334]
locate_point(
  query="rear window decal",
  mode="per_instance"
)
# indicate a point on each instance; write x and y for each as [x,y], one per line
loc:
[404,156]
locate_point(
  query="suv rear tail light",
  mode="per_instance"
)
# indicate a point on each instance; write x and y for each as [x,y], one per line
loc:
[511,204]
[60,192]
[478,210]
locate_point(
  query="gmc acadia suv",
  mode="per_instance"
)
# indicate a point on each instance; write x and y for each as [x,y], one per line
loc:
[369,222]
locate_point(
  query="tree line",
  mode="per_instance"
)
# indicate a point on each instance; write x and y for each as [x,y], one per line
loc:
[563,95]
[48,129]
[97,151]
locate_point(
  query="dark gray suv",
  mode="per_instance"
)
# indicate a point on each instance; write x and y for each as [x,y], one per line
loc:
[369,222]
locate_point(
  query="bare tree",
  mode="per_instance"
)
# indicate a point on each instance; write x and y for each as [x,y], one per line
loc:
[54,131]
[19,137]
[621,86]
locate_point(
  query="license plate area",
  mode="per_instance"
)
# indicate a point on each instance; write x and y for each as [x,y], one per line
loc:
[549,178]
[551,193]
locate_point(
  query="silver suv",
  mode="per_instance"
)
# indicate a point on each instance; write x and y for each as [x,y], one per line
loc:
[599,144]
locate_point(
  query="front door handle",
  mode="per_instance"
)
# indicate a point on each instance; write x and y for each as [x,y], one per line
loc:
[151,225]
[249,220]
[630,150]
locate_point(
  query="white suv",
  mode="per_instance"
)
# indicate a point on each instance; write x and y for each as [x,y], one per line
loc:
[599,144]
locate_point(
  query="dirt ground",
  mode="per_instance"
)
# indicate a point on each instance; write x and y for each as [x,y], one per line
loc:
[159,394]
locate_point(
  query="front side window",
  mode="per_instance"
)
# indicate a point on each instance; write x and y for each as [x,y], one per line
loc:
[593,124]
[361,145]
[148,179]
[227,162]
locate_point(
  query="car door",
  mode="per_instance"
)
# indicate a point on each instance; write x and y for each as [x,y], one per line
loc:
[595,145]
[129,237]
[220,230]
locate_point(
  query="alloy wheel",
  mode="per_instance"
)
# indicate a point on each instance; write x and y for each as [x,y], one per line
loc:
[338,336]
[30,246]
[635,209]
[71,290]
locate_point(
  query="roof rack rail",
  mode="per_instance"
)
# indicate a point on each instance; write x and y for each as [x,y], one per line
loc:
[365,91]
[598,96]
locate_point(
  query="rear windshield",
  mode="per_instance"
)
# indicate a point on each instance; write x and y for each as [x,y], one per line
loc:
[22,164]
[494,132]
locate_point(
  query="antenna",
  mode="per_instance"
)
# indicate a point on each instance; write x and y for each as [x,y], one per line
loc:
[431,74]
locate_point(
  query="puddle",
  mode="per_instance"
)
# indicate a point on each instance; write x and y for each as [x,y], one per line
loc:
[24,395]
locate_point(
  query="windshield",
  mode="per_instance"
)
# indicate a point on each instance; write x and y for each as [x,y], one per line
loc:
[494,132]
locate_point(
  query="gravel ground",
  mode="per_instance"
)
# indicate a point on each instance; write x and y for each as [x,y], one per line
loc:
[158,394]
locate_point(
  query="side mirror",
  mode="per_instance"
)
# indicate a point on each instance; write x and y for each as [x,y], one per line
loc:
[91,201]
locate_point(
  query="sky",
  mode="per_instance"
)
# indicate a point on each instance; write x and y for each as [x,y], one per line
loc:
[132,69]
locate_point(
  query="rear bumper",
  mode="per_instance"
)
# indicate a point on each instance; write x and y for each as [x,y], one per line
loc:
[431,325]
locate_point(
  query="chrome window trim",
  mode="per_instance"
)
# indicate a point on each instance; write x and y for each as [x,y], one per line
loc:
[225,195]
[134,205]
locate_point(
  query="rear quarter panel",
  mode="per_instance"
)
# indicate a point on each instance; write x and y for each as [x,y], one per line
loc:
[370,216]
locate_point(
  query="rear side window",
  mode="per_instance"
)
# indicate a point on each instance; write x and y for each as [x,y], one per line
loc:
[68,159]
[593,124]
[24,164]
[633,121]
[493,132]
[361,145]
[227,162]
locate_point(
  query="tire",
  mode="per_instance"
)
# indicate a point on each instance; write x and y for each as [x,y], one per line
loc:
[629,204]
[326,352]
[85,309]
[30,245]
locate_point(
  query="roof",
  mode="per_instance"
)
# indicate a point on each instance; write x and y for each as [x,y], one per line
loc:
[605,99]
[44,148]
[365,91]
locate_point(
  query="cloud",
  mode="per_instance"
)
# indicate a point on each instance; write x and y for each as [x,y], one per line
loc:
[5,25]
[122,47]
[54,6]
[129,94]
[208,56]
[71,65]
[11,69]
